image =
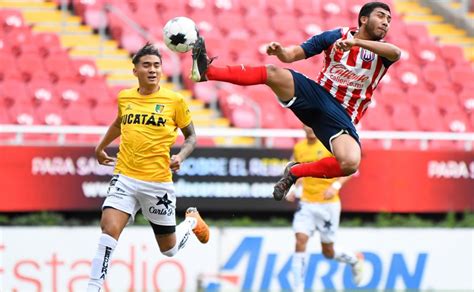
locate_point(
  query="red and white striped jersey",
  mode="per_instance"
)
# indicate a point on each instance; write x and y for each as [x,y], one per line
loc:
[352,76]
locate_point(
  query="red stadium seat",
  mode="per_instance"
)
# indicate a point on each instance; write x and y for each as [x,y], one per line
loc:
[466,97]
[453,55]
[70,92]
[205,91]
[78,114]
[14,91]
[22,113]
[462,76]
[430,119]
[458,122]
[42,92]
[49,114]
[104,114]
[404,119]
[243,118]
[377,118]
[290,120]
[436,76]
[85,67]
[419,98]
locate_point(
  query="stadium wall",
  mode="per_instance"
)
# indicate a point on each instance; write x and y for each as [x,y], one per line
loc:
[236,259]
[227,179]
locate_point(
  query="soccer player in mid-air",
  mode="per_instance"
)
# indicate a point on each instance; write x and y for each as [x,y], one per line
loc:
[147,122]
[355,61]
[319,210]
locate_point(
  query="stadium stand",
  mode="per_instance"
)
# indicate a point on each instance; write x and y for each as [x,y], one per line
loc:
[48,77]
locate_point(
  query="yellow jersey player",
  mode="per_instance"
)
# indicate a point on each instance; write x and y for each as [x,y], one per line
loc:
[319,209]
[148,120]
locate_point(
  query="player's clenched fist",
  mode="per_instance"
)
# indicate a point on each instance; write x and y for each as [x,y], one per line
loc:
[175,163]
[103,158]
[274,48]
[345,45]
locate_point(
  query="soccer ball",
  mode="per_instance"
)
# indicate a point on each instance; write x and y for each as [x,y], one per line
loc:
[180,34]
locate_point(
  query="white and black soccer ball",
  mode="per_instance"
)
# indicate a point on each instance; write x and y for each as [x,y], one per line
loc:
[180,34]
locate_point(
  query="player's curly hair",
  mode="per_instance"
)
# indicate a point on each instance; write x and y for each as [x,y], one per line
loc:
[369,7]
[147,49]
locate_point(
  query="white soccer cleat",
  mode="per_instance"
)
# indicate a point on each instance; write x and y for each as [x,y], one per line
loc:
[358,269]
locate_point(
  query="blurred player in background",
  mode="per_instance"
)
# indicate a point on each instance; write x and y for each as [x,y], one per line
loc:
[147,122]
[355,61]
[319,209]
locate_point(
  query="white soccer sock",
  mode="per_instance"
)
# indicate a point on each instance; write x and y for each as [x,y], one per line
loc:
[100,262]
[345,257]
[183,230]
[298,266]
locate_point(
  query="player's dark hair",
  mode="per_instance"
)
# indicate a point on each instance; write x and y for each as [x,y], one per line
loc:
[369,7]
[147,49]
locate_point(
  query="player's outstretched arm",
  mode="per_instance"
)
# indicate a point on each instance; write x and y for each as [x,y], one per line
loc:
[285,54]
[112,133]
[188,147]
[389,51]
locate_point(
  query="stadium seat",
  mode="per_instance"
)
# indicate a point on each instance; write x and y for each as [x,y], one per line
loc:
[205,91]
[403,118]
[466,98]
[243,118]
[21,113]
[377,118]
[14,91]
[462,76]
[453,55]
[49,114]
[42,92]
[458,122]
[435,76]
[78,114]
[104,114]
[430,118]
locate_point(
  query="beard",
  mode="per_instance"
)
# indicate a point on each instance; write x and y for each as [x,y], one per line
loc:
[374,34]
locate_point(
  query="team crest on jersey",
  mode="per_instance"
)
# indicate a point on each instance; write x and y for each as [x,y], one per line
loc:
[159,108]
[367,55]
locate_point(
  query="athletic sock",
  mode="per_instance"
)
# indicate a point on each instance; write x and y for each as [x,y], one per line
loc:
[183,230]
[100,262]
[325,168]
[298,265]
[240,75]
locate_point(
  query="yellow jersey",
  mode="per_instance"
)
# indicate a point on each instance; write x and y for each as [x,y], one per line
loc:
[149,127]
[313,188]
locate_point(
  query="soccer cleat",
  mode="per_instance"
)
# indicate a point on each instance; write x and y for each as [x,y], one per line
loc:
[201,230]
[282,187]
[200,61]
[358,269]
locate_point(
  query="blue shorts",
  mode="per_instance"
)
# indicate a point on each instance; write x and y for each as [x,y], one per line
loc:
[318,109]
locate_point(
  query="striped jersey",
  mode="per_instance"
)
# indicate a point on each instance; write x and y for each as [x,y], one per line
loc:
[350,77]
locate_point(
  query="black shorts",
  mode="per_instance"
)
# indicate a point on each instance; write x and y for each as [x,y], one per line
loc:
[318,109]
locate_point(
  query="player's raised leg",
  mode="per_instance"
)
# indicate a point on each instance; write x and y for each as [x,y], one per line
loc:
[278,79]
[170,242]
[112,223]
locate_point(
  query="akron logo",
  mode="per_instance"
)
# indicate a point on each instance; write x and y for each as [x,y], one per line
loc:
[367,55]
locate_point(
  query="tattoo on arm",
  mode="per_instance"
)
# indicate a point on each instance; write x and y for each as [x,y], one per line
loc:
[189,141]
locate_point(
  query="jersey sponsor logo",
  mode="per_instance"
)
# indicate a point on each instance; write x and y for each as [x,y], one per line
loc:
[143,119]
[342,75]
[129,107]
[367,55]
